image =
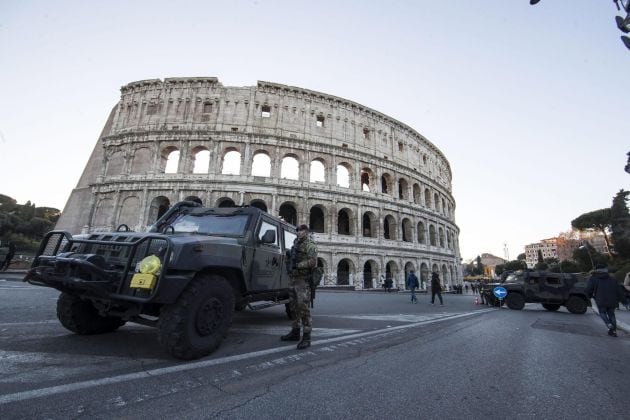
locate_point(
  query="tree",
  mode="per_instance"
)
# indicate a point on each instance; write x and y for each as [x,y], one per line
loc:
[540,257]
[480,268]
[595,220]
[587,257]
[521,257]
[510,266]
[620,225]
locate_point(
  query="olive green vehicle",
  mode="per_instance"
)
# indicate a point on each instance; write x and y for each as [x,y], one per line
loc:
[552,290]
[186,276]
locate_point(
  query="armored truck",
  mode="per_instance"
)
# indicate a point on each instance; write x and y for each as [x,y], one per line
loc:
[185,276]
[552,290]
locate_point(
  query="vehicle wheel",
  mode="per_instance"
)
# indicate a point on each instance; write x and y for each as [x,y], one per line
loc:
[197,322]
[515,301]
[287,308]
[81,317]
[551,306]
[576,305]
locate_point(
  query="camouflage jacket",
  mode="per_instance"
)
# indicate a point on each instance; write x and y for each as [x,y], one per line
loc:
[306,257]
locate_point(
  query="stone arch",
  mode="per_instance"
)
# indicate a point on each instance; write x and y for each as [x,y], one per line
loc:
[129,212]
[225,202]
[451,274]
[436,201]
[407,230]
[259,204]
[389,228]
[115,163]
[159,205]
[445,277]
[231,162]
[403,189]
[432,235]
[369,225]
[288,212]
[424,274]
[317,219]
[318,171]
[367,180]
[169,160]
[201,160]
[435,268]
[290,167]
[104,210]
[344,175]
[408,267]
[449,243]
[387,182]
[195,199]
[421,233]
[427,198]
[417,194]
[261,164]
[443,206]
[142,162]
[344,268]
[344,222]
[441,236]
[370,274]
[391,270]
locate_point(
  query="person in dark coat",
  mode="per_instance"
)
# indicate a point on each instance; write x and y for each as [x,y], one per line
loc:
[607,293]
[413,284]
[436,288]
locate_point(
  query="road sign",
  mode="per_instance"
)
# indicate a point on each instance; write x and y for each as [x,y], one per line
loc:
[499,292]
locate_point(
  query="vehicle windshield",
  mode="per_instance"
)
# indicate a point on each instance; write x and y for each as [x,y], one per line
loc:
[512,278]
[210,224]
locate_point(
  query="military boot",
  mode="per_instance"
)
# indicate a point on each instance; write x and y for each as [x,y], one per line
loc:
[294,335]
[306,341]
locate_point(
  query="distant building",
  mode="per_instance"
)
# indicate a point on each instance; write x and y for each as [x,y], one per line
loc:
[562,248]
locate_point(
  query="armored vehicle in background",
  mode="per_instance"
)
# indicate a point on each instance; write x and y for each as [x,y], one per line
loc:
[185,276]
[552,290]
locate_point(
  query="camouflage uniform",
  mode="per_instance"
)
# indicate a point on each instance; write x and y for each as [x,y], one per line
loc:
[305,260]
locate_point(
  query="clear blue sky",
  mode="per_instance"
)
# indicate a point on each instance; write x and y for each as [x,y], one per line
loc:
[528,103]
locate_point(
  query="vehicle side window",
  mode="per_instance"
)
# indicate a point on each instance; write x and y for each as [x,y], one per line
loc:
[264,227]
[289,238]
[532,280]
[553,281]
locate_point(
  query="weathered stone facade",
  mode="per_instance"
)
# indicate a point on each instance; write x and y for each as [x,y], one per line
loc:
[376,193]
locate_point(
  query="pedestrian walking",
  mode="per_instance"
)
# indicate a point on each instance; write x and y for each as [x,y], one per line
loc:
[304,260]
[607,293]
[413,284]
[466,287]
[436,288]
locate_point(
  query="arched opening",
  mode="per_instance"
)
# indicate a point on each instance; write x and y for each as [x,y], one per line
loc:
[443,206]
[403,189]
[432,235]
[318,171]
[441,237]
[225,202]
[424,275]
[201,160]
[159,206]
[316,220]
[436,201]
[386,183]
[391,272]
[367,180]
[288,213]
[408,267]
[343,272]
[259,204]
[343,222]
[421,235]
[370,274]
[170,160]
[449,243]
[389,227]
[142,161]
[261,164]
[290,168]
[446,279]
[407,230]
[129,212]
[417,194]
[194,199]
[427,198]
[231,163]
[115,164]
[368,225]
[343,176]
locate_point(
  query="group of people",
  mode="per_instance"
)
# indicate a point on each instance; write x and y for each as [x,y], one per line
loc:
[412,284]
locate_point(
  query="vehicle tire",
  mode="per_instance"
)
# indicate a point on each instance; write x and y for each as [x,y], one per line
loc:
[551,306]
[515,301]
[81,317]
[195,325]
[576,305]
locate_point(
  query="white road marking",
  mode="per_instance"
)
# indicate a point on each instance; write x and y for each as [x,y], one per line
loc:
[151,373]
[282,329]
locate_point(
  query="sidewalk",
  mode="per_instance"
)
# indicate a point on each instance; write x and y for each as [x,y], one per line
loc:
[622,315]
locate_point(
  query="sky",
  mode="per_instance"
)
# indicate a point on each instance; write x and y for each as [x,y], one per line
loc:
[528,103]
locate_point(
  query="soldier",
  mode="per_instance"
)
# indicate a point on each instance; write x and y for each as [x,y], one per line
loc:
[304,254]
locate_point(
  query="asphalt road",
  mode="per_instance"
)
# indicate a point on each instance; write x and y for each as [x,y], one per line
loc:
[374,355]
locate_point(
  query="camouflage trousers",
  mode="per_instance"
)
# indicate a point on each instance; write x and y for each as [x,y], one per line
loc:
[299,302]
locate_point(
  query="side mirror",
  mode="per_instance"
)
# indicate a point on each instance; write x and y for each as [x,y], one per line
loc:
[269,237]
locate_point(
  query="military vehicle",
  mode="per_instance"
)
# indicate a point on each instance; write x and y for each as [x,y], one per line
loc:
[185,276]
[552,290]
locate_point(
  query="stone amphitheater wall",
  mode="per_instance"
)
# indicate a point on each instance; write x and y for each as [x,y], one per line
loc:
[380,204]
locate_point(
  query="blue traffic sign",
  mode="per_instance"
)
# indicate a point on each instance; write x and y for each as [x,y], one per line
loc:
[500,292]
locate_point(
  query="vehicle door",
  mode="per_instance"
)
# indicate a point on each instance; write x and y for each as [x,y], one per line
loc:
[267,267]
[287,242]
[531,287]
[552,288]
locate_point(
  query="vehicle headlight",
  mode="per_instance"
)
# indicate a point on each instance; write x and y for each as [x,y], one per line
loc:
[150,265]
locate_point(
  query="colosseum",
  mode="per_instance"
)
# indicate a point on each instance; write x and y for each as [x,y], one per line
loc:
[376,194]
